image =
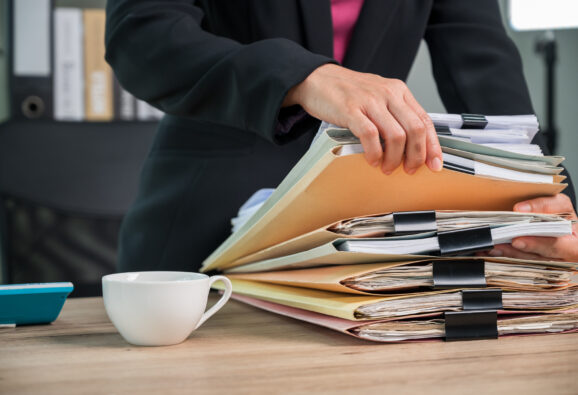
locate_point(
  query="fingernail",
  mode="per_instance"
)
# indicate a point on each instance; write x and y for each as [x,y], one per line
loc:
[519,244]
[523,207]
[496,252]
[410,171]
[375,163]
[436,164]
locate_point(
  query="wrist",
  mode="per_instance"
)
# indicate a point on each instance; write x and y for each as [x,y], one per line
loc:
[291,97]
[297,93]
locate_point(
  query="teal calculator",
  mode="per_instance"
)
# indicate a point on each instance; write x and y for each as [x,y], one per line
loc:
[24,304]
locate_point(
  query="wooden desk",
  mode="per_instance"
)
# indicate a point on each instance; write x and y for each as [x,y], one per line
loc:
[245,350]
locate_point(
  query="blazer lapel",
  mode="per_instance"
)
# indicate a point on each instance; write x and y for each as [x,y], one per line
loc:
[317,26]
[369,31]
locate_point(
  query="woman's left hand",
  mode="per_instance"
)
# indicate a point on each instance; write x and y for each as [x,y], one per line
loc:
[563,248]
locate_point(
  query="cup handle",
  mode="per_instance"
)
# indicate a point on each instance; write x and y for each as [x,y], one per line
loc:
[217,306]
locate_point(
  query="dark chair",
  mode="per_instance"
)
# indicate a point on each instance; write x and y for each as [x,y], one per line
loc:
[64,188]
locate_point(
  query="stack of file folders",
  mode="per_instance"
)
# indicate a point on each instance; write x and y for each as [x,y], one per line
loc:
[391,258]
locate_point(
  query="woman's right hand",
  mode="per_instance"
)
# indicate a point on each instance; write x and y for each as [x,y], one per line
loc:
[372,107]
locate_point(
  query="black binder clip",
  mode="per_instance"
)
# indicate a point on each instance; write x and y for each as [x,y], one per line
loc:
[471,325]
[474,121]
[459,274]
[406,222]
[465,241]
[482,299]
[479,318]
[443,130]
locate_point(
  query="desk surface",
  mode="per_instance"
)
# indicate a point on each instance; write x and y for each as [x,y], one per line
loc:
[245,350]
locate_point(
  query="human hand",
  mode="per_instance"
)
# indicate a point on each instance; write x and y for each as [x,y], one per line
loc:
[372,107]
[563,248]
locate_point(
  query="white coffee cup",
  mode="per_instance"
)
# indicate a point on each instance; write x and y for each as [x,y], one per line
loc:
[159,308]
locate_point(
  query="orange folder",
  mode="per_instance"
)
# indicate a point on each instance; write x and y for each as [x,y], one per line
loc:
[332,278]
[325,187]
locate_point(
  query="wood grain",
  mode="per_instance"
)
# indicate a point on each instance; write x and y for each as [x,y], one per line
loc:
[245,350]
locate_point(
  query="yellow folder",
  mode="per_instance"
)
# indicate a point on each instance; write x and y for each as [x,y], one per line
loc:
[347,306]
[325,187]
[330,303]
[428,327]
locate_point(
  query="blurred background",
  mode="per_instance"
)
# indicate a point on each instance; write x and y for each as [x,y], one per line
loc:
[65,183]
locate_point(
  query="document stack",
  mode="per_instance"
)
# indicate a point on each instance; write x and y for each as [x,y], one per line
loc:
[391,258]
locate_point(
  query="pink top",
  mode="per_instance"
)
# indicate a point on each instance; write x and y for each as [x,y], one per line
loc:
[344,14]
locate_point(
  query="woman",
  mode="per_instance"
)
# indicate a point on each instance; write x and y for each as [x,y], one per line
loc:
[245,82]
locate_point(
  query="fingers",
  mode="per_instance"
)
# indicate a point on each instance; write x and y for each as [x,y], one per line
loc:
[549,247]
[544,246]
[554,248]
[407,130]
[506,250]
[434,158]
[394,137]
[372,107]
[368,134]
[538,248]
[557,204]
[414,135]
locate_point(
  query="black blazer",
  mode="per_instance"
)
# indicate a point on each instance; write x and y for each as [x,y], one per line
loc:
[220,69]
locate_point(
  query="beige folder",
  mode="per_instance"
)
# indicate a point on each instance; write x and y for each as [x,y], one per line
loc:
[427,327]
[328,234]
[366,308]
[325,187]
[329,254]
[335,278]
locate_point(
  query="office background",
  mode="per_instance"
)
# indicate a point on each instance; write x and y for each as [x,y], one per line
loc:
[422,85]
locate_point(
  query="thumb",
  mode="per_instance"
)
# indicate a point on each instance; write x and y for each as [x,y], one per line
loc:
[556,204]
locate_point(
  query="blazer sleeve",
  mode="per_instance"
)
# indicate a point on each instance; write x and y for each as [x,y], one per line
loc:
[476,65]
[160,53]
